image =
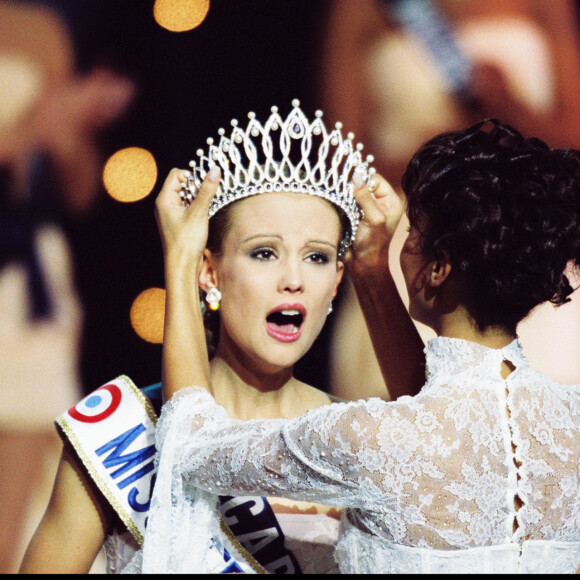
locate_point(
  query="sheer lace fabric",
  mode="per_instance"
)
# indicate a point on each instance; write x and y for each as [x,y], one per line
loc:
[120,550]
[432,483]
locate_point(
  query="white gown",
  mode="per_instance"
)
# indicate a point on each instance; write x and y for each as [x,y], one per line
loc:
[474,474]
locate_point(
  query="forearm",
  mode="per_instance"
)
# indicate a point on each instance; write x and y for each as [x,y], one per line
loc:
[397,344]
[78,166]
[185,357]
[183,230]
[396,341]
[271,457]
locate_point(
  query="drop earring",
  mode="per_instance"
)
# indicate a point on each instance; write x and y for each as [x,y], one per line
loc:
[213,298]
[329,309]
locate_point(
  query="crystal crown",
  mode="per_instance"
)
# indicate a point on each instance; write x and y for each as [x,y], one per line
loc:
[291,155]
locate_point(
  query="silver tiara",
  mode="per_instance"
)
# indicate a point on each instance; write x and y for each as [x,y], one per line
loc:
[283,155]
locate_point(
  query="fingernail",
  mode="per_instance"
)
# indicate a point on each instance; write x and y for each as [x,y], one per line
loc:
[214,173]
[357,180]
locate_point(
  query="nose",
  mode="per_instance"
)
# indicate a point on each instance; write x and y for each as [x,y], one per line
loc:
[291,278]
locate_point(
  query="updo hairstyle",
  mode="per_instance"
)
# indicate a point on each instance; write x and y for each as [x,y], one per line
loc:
[506,209]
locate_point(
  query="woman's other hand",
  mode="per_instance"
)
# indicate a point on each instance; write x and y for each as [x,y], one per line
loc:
[184,228]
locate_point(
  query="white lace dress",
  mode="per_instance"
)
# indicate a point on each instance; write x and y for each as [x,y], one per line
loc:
[475,474]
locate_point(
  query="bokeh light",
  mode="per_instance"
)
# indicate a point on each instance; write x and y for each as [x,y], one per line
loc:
[148,315]
[130,174]
[180,15]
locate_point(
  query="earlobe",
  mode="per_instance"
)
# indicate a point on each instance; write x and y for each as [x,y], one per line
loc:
[339,275]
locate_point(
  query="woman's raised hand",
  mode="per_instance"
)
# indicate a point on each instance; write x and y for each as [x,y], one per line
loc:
[183,228]
[382,210]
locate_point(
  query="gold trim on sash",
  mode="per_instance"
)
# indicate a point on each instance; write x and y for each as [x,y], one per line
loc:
[238,546]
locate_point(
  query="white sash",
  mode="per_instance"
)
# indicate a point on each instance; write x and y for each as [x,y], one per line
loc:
[113,432]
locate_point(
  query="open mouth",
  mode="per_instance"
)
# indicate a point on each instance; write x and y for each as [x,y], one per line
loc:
[285,324]
[288,321]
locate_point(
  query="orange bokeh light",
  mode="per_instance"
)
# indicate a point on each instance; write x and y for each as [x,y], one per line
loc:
[130,174]
[180,15]
[148,315]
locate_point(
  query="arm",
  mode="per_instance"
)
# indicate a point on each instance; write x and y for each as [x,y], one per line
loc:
[350,29]
[183,232]
[67,123]
[319,456]
[204,453]
[396,342]
[73,528]
[65,114]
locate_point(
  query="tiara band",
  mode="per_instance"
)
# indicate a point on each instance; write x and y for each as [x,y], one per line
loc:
[292,155]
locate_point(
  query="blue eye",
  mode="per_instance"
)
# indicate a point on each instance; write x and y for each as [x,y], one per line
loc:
[263,254]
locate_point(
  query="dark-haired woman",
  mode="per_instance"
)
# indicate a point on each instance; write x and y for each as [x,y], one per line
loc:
[479,472]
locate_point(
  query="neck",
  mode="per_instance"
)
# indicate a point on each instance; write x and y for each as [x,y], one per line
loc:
[459,324]
[247,393]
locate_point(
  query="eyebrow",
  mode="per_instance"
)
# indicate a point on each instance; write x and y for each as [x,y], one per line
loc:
[255,236]
[279,237]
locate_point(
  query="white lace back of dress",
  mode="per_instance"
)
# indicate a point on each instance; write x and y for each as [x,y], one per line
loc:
[486,471]
[429,481]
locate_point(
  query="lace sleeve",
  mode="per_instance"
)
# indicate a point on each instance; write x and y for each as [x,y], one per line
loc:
[177,514]
[328,455]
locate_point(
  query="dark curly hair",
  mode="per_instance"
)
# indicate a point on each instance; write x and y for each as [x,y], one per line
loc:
[506,209]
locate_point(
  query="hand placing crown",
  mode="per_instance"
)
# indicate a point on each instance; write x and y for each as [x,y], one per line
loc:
[293,155]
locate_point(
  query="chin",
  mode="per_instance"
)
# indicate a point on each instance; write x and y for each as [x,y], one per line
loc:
[284,361]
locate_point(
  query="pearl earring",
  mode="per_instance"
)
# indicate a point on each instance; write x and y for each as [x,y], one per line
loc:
[329,309]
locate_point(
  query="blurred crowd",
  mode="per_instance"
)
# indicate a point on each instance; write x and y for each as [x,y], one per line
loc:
[51,116]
